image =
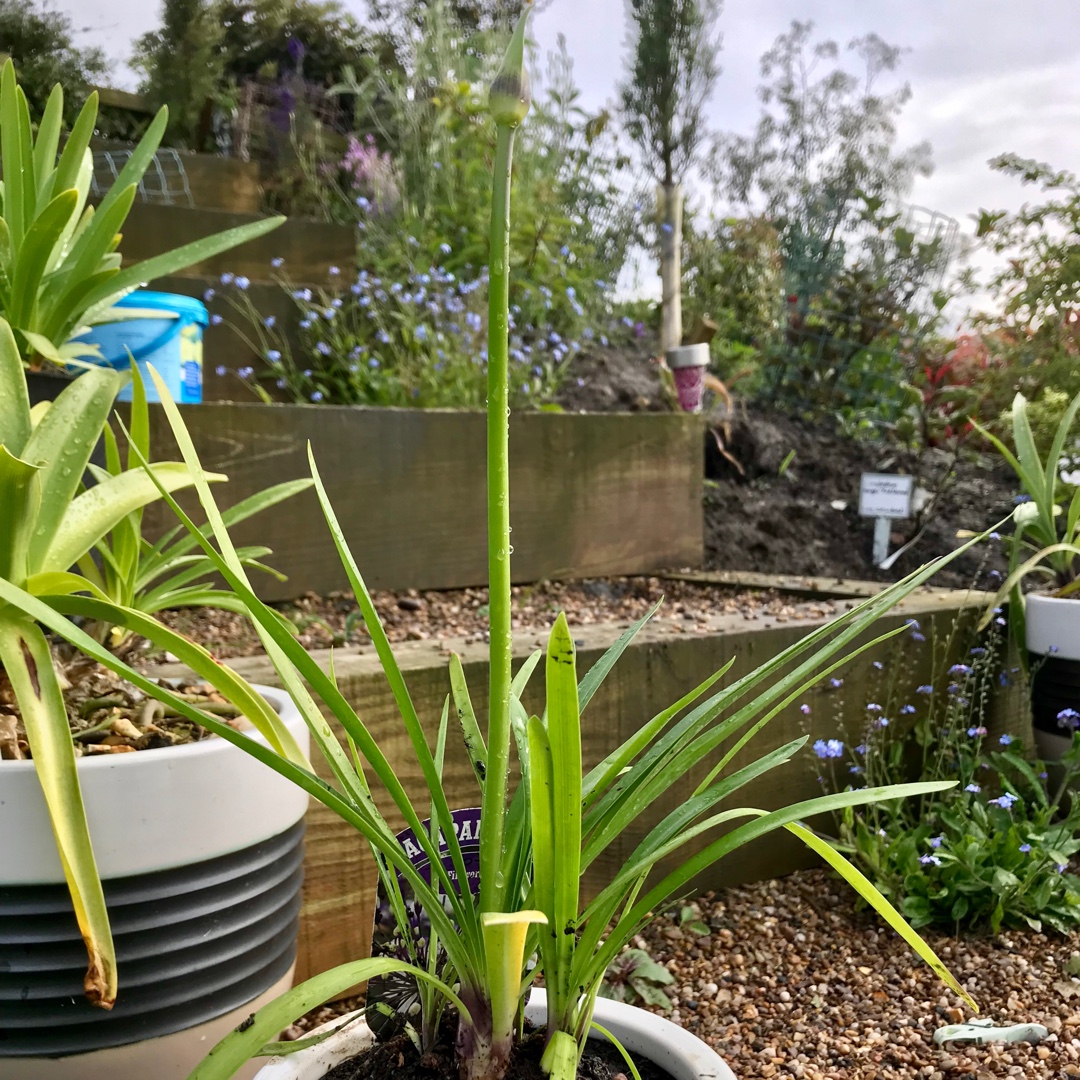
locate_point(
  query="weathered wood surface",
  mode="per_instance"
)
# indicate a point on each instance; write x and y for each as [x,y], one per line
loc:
[662,665]
[591,495]
[309,248]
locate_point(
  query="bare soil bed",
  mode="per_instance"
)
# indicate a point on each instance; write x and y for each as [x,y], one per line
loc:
[770,517]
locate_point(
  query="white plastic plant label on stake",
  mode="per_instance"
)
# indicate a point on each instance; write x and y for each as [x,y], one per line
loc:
[886,498]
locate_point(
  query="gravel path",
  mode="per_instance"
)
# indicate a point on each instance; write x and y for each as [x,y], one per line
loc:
[463,613]
[792,982]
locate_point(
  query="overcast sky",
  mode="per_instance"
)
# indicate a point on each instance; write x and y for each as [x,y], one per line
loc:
[988,76]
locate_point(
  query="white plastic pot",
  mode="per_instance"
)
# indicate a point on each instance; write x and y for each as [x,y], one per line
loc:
[643,1033]
[200,849]
[688,364]
[1052,627]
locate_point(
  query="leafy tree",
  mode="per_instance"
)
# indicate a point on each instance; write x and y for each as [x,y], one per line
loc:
[183,65]
[1034,336]
[206,49]
[264,38]
[825,144]
[673,68]
[41,42]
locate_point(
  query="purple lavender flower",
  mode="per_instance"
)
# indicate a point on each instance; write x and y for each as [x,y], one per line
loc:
[976,732]
[836,683]
[925,689]
[277,263]
[906,710]
[873,706]
[804,709]
[936,841]
[221,369]
[959,669]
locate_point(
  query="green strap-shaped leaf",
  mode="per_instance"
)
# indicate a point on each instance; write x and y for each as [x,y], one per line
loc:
[15,422]
[243,1043]
[182,257]
[37,249]
[27,662]
[76,148]
[62,443]
[48,141]
[564,739]
[19,496]
[93,513]
[470,730]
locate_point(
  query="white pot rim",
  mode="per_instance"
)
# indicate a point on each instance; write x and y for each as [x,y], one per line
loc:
[683,356]
[669,1046]
[1052,625]
[155,809]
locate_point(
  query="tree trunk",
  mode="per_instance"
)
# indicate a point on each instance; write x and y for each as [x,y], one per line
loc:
[669,207]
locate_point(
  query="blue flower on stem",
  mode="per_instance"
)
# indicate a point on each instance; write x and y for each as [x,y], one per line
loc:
[323,348]
[832,748]
[929,860]
[1025,848]
[804,709]
[973,788]
[926,688]
[936,841]
[316,395]
[246,372]
[1004,801]
[1005,740]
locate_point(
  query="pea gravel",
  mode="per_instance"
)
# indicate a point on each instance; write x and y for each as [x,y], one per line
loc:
[793,982]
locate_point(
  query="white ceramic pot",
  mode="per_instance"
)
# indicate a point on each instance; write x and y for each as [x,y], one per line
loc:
[1052,626]
[688,364]
[200,849]
[643,1033]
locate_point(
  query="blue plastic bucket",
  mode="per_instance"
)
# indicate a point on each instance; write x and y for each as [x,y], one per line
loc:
[172,343]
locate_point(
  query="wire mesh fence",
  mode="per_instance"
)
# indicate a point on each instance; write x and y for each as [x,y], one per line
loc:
[165,181]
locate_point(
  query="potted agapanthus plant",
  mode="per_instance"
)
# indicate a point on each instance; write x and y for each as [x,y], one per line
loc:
[482,953]
[104,847]
[1045,544]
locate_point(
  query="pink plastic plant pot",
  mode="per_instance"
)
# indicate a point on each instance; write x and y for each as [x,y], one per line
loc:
[688,364]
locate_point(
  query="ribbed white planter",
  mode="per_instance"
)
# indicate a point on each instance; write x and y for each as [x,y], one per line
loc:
[1052,626]
[643,1033]
[200,849]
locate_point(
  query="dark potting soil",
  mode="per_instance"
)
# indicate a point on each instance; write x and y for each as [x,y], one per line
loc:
[398,1058]
[765,517]
[803,518]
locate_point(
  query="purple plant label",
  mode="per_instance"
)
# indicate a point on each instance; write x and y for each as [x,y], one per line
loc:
[394,999]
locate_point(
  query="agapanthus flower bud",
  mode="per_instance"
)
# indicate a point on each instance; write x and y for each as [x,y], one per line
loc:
[511,93]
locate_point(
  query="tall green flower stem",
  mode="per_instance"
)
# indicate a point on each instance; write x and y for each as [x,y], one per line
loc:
[509,105]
